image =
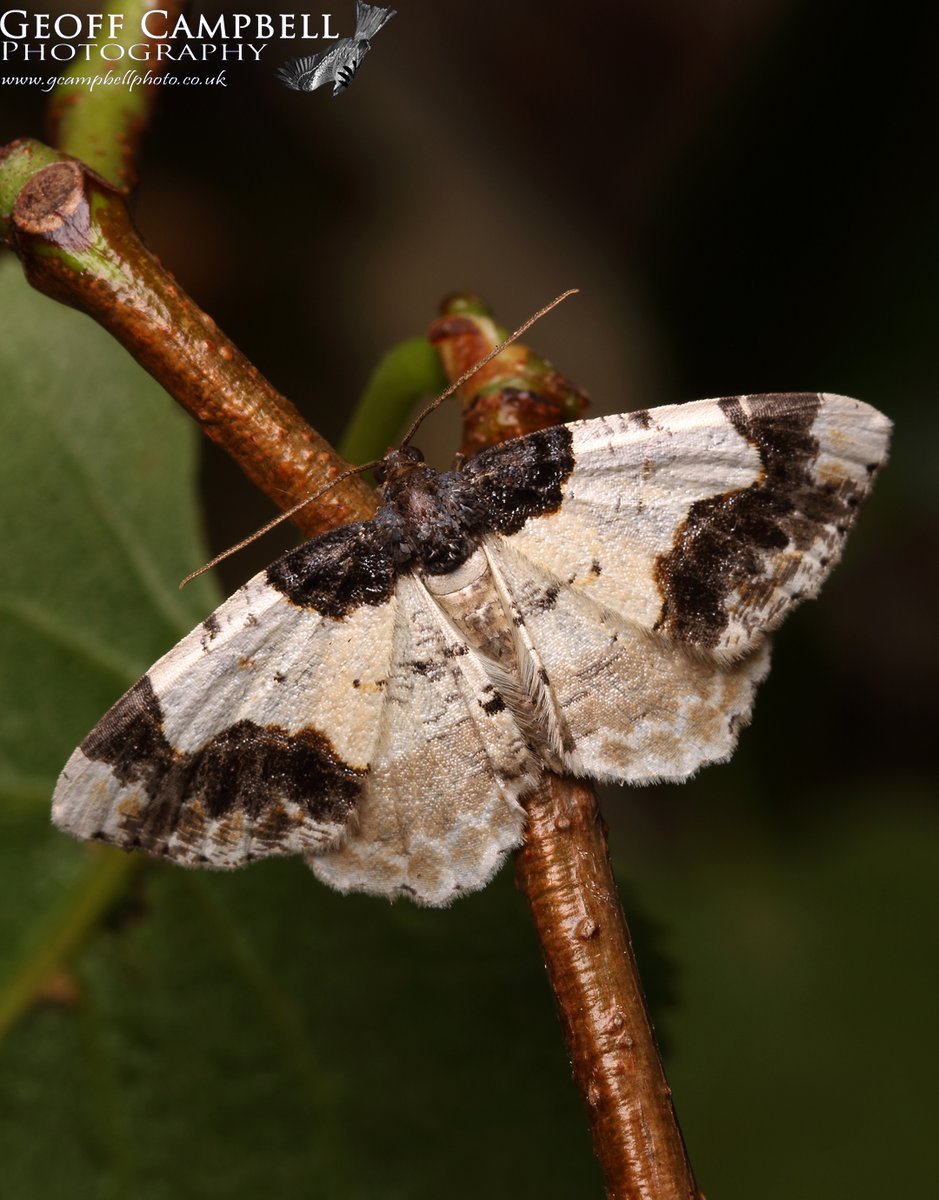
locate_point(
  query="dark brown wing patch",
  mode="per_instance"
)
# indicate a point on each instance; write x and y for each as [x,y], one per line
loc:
[253,784]
[520,479]
[723,544]
[338,571]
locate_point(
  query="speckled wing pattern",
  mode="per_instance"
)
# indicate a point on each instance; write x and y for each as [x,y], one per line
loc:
[232,746]
[381,699]
[440,810]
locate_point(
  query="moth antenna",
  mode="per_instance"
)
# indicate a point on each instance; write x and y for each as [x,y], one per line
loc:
[468,374]
[434,404]
[284,516]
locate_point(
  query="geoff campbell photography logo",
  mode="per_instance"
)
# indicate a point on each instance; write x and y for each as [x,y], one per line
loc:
[141,49]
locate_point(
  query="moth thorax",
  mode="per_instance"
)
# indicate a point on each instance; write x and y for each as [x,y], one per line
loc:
[414,491]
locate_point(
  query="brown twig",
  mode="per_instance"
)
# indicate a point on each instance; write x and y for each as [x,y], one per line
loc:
[564,867]
[75,239]
[564,871]
[77,244]
[515,394]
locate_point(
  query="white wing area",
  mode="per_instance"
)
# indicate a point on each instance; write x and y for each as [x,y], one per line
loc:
[637,708]
[739,505]
[249,738]
[276,663]
[632,485]
[440,808]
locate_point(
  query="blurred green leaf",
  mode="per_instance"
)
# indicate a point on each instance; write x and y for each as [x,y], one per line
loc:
[215,1035]
[406,373]
[96,471]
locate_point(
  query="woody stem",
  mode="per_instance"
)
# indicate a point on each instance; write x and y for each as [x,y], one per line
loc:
[564,871]
[75,239]
[77,244]
[564,867]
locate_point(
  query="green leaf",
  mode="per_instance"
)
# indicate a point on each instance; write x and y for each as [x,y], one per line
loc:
[96,474]
[97,469]
[226,1035]
[407,372]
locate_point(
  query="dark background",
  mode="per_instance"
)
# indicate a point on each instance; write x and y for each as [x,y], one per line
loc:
[746,196]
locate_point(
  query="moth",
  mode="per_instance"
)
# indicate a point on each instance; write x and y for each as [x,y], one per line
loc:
[339,64]
[594,599]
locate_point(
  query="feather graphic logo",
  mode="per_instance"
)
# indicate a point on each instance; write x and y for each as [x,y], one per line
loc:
[337,66]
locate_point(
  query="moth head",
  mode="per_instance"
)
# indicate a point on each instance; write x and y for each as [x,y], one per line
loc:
[397,465]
